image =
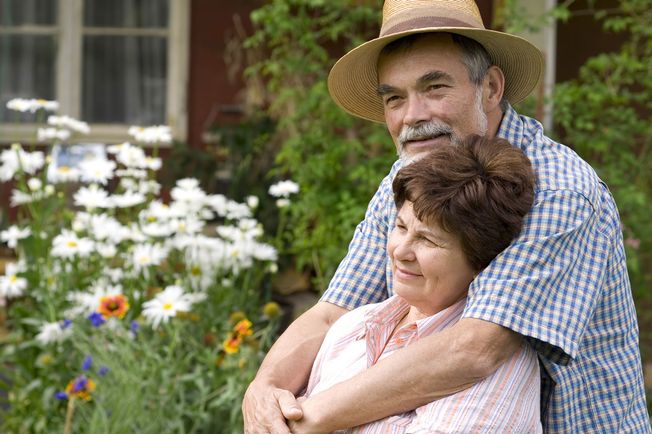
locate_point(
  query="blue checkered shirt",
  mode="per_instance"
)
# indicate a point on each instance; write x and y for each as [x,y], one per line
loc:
[562,284]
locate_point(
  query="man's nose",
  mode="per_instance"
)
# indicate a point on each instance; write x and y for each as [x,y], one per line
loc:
[416,110]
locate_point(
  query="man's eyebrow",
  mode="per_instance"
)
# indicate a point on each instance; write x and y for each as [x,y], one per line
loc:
[434,76]
[384,89]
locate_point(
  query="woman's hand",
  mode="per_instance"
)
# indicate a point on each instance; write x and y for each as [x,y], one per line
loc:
[309,423]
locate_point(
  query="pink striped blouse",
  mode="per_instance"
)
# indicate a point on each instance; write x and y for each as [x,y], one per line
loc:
[505,402]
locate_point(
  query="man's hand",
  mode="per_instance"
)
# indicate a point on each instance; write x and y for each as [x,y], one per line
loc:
[266,408]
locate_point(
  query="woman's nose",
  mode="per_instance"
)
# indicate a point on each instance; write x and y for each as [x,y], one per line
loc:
[403,250]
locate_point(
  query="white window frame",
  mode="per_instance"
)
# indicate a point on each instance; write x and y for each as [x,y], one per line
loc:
[69,33]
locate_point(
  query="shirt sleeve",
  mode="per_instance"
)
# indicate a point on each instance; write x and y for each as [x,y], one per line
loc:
[360,277]
[546,284]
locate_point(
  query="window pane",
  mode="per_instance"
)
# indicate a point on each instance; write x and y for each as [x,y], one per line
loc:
[20,12]
[126,13]
[27,70]
[124,80]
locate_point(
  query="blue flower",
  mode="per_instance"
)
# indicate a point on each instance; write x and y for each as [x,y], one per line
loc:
[103,371]
[61,396]
[96,319]
[87,363]
[134,327]
[66,324]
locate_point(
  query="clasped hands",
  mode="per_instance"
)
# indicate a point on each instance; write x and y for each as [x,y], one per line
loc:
[270,410]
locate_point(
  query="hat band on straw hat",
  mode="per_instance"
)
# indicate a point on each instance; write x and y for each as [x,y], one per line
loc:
[423,22]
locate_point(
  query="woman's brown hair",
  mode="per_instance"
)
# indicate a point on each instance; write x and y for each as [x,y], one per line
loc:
[479,190]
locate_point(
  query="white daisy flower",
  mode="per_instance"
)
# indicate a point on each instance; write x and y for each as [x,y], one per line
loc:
[47,134]
[106,250]
[114,274]
[98,170]
[127,199]
[63,174]
[283,189]
[252,202]
[153,134]
[53,332]
[145,255]
[34,184]
[189,225]
[115,149]
[237,211]
[265,252]
[19,198]
[92,197]
[167,304]
[32,105]
[131,156]
[12,234]
[68,244]
[69,123]
[189,194]
[188,183]
[15,159]
[282,203]
[152,163]
[10,284]
[157,229]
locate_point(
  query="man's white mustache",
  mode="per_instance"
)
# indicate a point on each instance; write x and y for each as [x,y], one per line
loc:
[423,131]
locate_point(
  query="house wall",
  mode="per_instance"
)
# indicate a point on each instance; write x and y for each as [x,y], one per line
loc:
[214,88]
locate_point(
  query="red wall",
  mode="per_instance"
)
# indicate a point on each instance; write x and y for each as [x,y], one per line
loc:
[211,92]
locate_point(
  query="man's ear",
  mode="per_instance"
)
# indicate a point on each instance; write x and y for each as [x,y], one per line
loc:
[493,88]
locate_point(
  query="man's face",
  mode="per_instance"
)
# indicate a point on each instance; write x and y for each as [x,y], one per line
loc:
[428,96]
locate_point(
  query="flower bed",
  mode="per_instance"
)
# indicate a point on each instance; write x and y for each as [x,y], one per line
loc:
[125,313]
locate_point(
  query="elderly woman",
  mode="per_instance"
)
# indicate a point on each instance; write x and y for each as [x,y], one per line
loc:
[458,207]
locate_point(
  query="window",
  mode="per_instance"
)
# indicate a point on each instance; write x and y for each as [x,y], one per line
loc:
[109,63]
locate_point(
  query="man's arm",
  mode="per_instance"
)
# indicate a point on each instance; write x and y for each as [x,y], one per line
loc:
[435,366]
[269,400]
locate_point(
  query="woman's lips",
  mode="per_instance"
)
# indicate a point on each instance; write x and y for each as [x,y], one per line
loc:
[405,274]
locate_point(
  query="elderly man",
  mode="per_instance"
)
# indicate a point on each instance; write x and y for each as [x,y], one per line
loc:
[434,75]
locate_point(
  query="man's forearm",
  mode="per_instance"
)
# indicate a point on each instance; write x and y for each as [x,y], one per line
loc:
[436,366]
[289,361]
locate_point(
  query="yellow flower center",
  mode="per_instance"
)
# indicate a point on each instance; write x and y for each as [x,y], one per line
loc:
[72,244]
[167,306]
[13,278]
[64,169]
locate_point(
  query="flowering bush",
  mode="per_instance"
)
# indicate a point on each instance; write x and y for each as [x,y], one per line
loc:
[127,313]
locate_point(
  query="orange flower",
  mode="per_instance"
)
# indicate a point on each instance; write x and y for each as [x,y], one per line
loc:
[113,305]
[231,345]
[243,328]
[80,387]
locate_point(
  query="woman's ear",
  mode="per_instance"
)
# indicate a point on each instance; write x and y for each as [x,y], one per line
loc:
[493,88]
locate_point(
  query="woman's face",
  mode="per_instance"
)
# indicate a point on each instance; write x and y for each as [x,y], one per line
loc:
[430,270]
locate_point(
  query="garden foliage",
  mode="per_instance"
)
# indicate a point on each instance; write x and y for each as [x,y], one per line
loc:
[604,114]
[337,159]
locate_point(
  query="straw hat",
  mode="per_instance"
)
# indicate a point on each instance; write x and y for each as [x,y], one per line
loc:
[353,81]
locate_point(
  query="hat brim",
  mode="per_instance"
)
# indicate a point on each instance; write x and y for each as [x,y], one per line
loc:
[353,80]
